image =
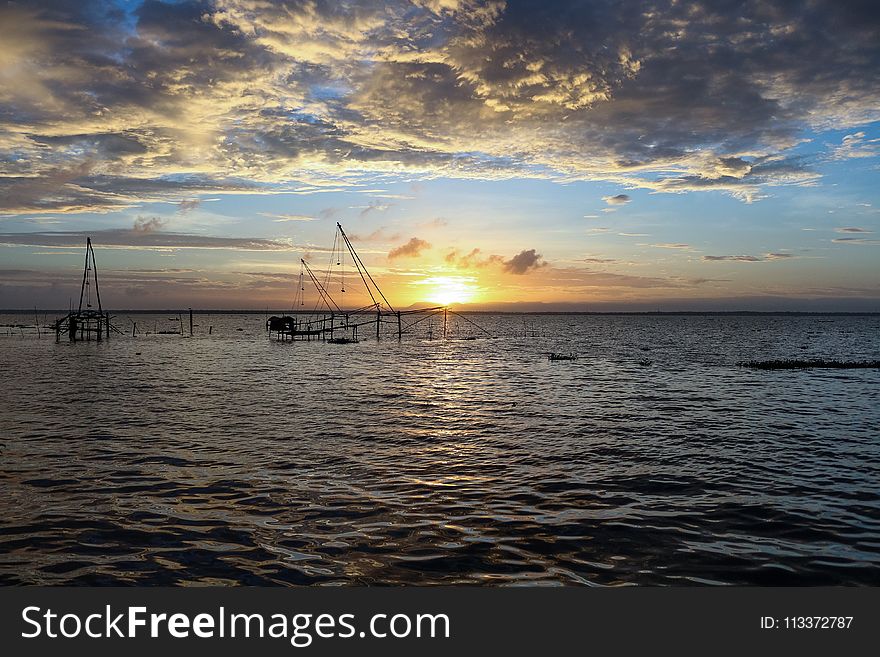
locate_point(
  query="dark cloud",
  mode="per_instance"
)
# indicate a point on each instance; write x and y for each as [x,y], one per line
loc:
[411,249]
[852,229]
[619,199]
[523,262]
[103,108]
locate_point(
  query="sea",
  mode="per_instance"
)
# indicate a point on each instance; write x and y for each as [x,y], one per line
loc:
[462,455]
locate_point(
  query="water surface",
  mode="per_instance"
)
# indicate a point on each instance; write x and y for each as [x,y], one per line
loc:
[234,459]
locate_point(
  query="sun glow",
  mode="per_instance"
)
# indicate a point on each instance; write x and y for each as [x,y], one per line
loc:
[446,290]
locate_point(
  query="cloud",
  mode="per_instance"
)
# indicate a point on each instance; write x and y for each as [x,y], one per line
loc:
[144,225]
[142,239]
[411,249]
[587,280]
[734,258]
[380,235]
[103,109]
[852,229]
[523,262]
[856,145]
[855,240]
[374,206]
[748,258]
[282,218]
[670,245]
[620,199]
[474,259]
[188,205]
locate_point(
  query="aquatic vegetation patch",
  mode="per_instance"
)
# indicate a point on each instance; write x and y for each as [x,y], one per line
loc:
[795,364]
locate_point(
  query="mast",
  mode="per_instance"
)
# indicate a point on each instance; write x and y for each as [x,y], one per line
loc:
[85,289]
[362,269]
[325,296]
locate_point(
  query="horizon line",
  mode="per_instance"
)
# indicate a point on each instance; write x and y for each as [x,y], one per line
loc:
[246,311]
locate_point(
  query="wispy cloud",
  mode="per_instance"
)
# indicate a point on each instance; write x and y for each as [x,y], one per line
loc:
[373,206]
[379,236]
[282,218]
[856,145]
[733,258]
[748,258]
[143,239]
[855,240]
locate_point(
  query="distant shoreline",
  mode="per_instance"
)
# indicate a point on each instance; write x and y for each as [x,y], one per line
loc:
[640,313]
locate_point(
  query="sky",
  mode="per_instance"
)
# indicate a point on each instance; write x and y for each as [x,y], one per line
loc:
[619,155]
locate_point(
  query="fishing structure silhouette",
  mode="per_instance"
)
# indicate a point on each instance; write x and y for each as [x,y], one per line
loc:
[331,322]
[88,322]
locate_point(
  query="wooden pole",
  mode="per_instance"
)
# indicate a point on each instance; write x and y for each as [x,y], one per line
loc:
[444,321]
[399,328]
[37,323]
[191,322]
[378,323]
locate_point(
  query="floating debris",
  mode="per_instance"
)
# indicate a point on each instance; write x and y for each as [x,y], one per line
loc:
[794,364]
[555,356]
[342,341]
[646,362]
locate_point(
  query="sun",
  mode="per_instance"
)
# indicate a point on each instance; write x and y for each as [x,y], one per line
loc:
[447,290]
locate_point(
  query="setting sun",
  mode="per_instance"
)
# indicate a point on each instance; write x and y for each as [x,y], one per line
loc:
[446,290]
